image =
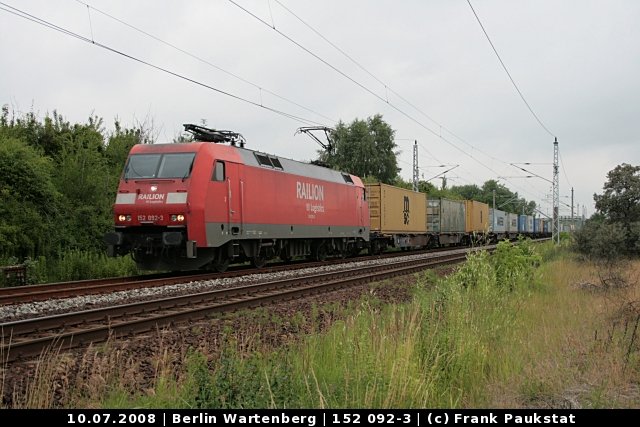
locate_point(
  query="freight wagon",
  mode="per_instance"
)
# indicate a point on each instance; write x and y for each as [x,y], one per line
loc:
[525,224]
[398,217]
[446,221]
[512,225]
[498,221]
[476,217]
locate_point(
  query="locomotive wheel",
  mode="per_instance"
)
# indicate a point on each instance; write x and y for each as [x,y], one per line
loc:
[284,254]
[220,265]
[321,252]
[259,261]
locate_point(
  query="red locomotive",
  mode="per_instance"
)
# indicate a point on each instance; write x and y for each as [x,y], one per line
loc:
[205,204]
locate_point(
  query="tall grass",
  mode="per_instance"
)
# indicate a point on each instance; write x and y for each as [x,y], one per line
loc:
[502,331]
[74,264]
[441,350]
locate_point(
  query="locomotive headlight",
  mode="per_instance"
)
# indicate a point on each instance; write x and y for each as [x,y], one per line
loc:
[177,218]
[123,218]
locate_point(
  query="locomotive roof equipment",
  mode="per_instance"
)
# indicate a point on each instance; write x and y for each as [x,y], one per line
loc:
[202,133]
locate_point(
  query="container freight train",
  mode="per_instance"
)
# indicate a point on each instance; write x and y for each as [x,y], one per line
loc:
[207,204]
[404,219]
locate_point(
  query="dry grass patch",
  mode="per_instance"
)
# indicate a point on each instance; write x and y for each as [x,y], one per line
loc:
[578,339]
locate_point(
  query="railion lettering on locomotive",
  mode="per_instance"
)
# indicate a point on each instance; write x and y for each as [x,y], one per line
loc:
[153,196]
[308,191]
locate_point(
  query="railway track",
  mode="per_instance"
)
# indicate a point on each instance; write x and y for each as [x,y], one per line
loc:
[29,338]
[31,293]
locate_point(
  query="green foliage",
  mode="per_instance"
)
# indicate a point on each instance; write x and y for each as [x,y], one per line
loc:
[620,202]
[603,240]
[506,200]
[78,264]
[364,148]
[232,381]
[30,200]
[515,264]
[57,184]
[614,232]
[470,315]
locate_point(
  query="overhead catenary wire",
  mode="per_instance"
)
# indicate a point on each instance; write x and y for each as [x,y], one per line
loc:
[564,170]
[386,86]
[45,23]
[336,69]
[17,12]
[206,62]
[508,73]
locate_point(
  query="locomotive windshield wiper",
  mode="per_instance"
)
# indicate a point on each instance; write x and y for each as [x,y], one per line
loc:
[188,172]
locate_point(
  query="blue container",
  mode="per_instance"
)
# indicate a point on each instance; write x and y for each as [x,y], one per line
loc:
[537,225]
[497,221]
[522,223]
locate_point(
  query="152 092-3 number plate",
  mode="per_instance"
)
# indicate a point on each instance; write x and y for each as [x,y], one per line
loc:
[150,218]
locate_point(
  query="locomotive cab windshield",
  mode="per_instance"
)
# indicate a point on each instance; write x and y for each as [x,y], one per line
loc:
[158,166]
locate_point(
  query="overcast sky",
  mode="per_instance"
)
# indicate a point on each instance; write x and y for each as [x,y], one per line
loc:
[577,63]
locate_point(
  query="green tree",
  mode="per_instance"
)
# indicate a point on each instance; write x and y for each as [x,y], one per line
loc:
[614,231]
[364,148]
[620,201]
[469,192]
[506,200]
[30,201]
[58,182]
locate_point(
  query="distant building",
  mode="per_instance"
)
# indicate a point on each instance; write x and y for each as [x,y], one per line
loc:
[569,224]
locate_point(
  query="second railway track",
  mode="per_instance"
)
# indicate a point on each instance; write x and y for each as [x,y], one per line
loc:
[28,338]
[31,293]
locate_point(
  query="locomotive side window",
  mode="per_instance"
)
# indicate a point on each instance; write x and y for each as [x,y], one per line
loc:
[347,178]
[275,162]
[263,160]
[218,171]
[268,161]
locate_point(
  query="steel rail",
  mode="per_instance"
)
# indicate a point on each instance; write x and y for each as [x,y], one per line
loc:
[28,338]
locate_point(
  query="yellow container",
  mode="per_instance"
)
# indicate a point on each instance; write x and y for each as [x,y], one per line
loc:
[476,217]
[396,210]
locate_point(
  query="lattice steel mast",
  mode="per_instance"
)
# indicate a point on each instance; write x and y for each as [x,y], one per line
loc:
[416,176]
[556,195]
